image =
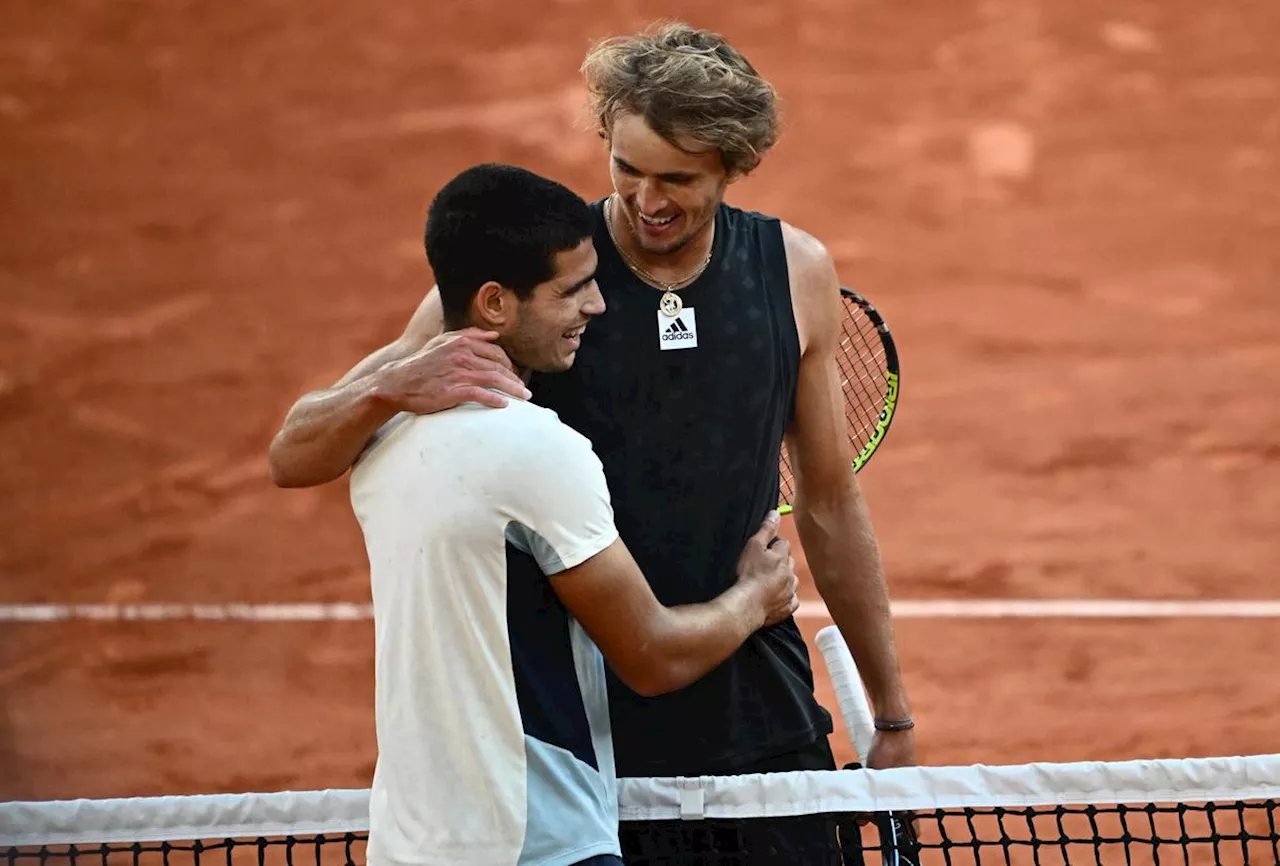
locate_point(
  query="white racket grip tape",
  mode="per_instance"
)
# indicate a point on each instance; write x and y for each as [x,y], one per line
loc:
[854,708]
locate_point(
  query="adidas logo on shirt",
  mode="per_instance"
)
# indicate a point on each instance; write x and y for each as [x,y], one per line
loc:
[678,333]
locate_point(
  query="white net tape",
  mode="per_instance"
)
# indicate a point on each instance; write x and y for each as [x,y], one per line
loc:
[158,819]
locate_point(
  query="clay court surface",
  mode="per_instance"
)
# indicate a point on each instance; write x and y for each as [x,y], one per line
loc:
[1068,212]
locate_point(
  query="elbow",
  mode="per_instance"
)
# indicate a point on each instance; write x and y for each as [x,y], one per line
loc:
[653,675]
[651,684]
[283,471]
[827,509]
[816,520]
[284,477]
[281,478]
[278,468]
[658,677]
[654,656]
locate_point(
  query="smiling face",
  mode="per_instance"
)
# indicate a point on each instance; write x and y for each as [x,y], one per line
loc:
[668,194]
[542,332]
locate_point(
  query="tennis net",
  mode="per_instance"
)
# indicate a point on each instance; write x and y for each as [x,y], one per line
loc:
[1190,811]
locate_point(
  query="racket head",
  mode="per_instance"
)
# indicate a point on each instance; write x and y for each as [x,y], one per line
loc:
[870,379]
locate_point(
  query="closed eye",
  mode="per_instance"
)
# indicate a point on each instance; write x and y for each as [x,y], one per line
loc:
[676,178]
[626,168]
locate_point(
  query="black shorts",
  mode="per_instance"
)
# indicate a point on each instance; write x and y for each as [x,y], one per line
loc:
[805,840]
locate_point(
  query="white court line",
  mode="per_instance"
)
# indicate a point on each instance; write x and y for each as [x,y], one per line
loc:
[815,610]
[273,612]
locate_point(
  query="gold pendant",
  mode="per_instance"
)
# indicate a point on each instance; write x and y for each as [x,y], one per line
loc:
[670,305]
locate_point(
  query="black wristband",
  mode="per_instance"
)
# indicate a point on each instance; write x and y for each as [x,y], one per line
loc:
[895,725]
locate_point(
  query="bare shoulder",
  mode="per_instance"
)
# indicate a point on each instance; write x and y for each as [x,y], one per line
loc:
[815,287]
[804,251]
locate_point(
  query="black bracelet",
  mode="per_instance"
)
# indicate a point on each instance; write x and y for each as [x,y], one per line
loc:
[895,725]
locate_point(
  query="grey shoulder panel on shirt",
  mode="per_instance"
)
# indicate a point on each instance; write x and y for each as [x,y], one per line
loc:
[527,540]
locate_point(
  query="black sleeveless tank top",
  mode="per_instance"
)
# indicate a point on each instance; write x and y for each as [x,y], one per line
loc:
[689,436]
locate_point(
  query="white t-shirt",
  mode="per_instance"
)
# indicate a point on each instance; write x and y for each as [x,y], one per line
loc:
[492,713]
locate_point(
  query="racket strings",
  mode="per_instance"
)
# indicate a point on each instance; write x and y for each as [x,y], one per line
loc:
[866,377]
[863,370]
[864,374]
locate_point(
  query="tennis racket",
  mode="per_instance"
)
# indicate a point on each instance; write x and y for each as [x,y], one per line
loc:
[869,373]
[898,844]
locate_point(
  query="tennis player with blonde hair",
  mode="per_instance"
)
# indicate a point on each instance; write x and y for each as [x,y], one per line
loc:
[718,344]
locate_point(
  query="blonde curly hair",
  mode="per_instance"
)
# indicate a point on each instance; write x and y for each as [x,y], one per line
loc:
[688,84]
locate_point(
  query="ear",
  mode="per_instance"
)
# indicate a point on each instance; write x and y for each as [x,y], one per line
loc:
[493,306]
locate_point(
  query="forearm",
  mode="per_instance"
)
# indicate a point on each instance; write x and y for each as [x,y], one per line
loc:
[325,432]
[840,547]
[688,641]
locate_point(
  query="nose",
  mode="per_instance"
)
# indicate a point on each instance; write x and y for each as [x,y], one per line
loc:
[649,198]
[592,300]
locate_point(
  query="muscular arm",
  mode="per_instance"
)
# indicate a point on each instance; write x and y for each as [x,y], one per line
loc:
[832,518]
[656,649]
[325,431]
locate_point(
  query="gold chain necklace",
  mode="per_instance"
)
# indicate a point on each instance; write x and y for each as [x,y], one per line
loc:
[670,303]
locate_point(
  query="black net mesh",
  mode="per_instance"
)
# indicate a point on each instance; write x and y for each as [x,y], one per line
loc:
[1191,811]
[1241,832]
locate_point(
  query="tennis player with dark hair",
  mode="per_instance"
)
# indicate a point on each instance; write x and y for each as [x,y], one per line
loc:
[497,570]
[719,344]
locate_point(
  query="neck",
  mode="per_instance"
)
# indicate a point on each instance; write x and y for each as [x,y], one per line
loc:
[673,266]
[524,373]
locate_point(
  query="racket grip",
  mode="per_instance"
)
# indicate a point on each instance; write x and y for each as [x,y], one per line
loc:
[852,700]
